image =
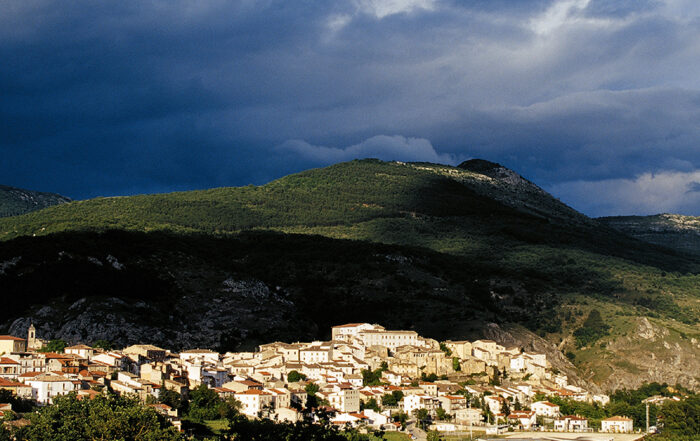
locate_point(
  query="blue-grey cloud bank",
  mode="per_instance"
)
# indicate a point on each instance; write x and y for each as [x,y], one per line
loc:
[596,101]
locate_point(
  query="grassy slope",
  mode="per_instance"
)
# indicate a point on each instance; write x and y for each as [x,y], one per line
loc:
[556,260]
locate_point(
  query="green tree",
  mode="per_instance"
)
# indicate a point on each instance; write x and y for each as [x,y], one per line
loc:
[18,404]
[517,405]
[106,417]
[295,377]
[311,399]
[103,344]
[173,399]
[442,415]
[434,436]
[5,435]
[205,404]
[423,417]
[57,346]
[682,417]
[392,399]
[401,417]
[456,366]
[594,327]
[445,349]
[496,379]
[370,404]
[429,378]
[372,378]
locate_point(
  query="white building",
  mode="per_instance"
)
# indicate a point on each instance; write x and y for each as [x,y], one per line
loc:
[545,409]
[616,424]
[112,359]
[345,399]
[46,387]
[282,398]
[316,354]
[524,418]
[254,401]
[82,351]
[9,368]
[411,403]
[389,339]
[204,355]
[468,416]
[495,403]
[571,423]
[346,332]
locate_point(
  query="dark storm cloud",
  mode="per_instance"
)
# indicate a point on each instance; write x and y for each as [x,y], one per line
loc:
[102,98]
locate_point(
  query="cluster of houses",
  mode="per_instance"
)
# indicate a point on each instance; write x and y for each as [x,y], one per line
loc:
[364,375]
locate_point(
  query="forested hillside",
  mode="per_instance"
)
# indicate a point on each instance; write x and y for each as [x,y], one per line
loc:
[443,250]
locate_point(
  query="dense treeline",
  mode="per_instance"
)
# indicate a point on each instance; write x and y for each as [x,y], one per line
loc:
[113,417]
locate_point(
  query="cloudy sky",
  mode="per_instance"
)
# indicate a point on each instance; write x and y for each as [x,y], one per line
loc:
[597,101]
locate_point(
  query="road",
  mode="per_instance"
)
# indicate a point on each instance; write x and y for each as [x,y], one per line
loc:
[414,430]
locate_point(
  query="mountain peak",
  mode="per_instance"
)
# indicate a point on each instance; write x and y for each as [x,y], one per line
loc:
[480,165]
[496,171]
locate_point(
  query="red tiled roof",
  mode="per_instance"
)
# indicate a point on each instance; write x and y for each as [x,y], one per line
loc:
[546,403]
[5,360]
[10,337]
[9,383]
[253,392]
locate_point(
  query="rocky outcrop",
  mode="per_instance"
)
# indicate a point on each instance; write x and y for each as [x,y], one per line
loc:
[242,313]
[681,233]
[15,201]
[514,335]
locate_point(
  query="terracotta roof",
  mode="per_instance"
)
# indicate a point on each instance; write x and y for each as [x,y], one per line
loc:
[358,415]
[617,418]
[10,383]
[253,392]
[5,360]
[521,414]
[79,347]
[10,337]
[50,378]
[546,403]
[161,406]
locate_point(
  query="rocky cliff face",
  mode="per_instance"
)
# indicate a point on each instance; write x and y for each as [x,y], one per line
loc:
[513,335]
[655,353]
[239,313]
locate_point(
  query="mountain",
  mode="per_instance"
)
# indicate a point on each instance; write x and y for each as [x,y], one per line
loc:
[15,201]
[674,231]
[452,252]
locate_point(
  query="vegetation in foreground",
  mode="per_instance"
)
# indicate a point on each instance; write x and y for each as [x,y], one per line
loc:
[209,417]
[113,417]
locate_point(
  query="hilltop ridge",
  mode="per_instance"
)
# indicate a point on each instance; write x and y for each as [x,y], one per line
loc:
[674,231]
[16,201]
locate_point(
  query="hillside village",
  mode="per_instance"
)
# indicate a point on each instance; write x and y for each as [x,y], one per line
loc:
[366,376]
